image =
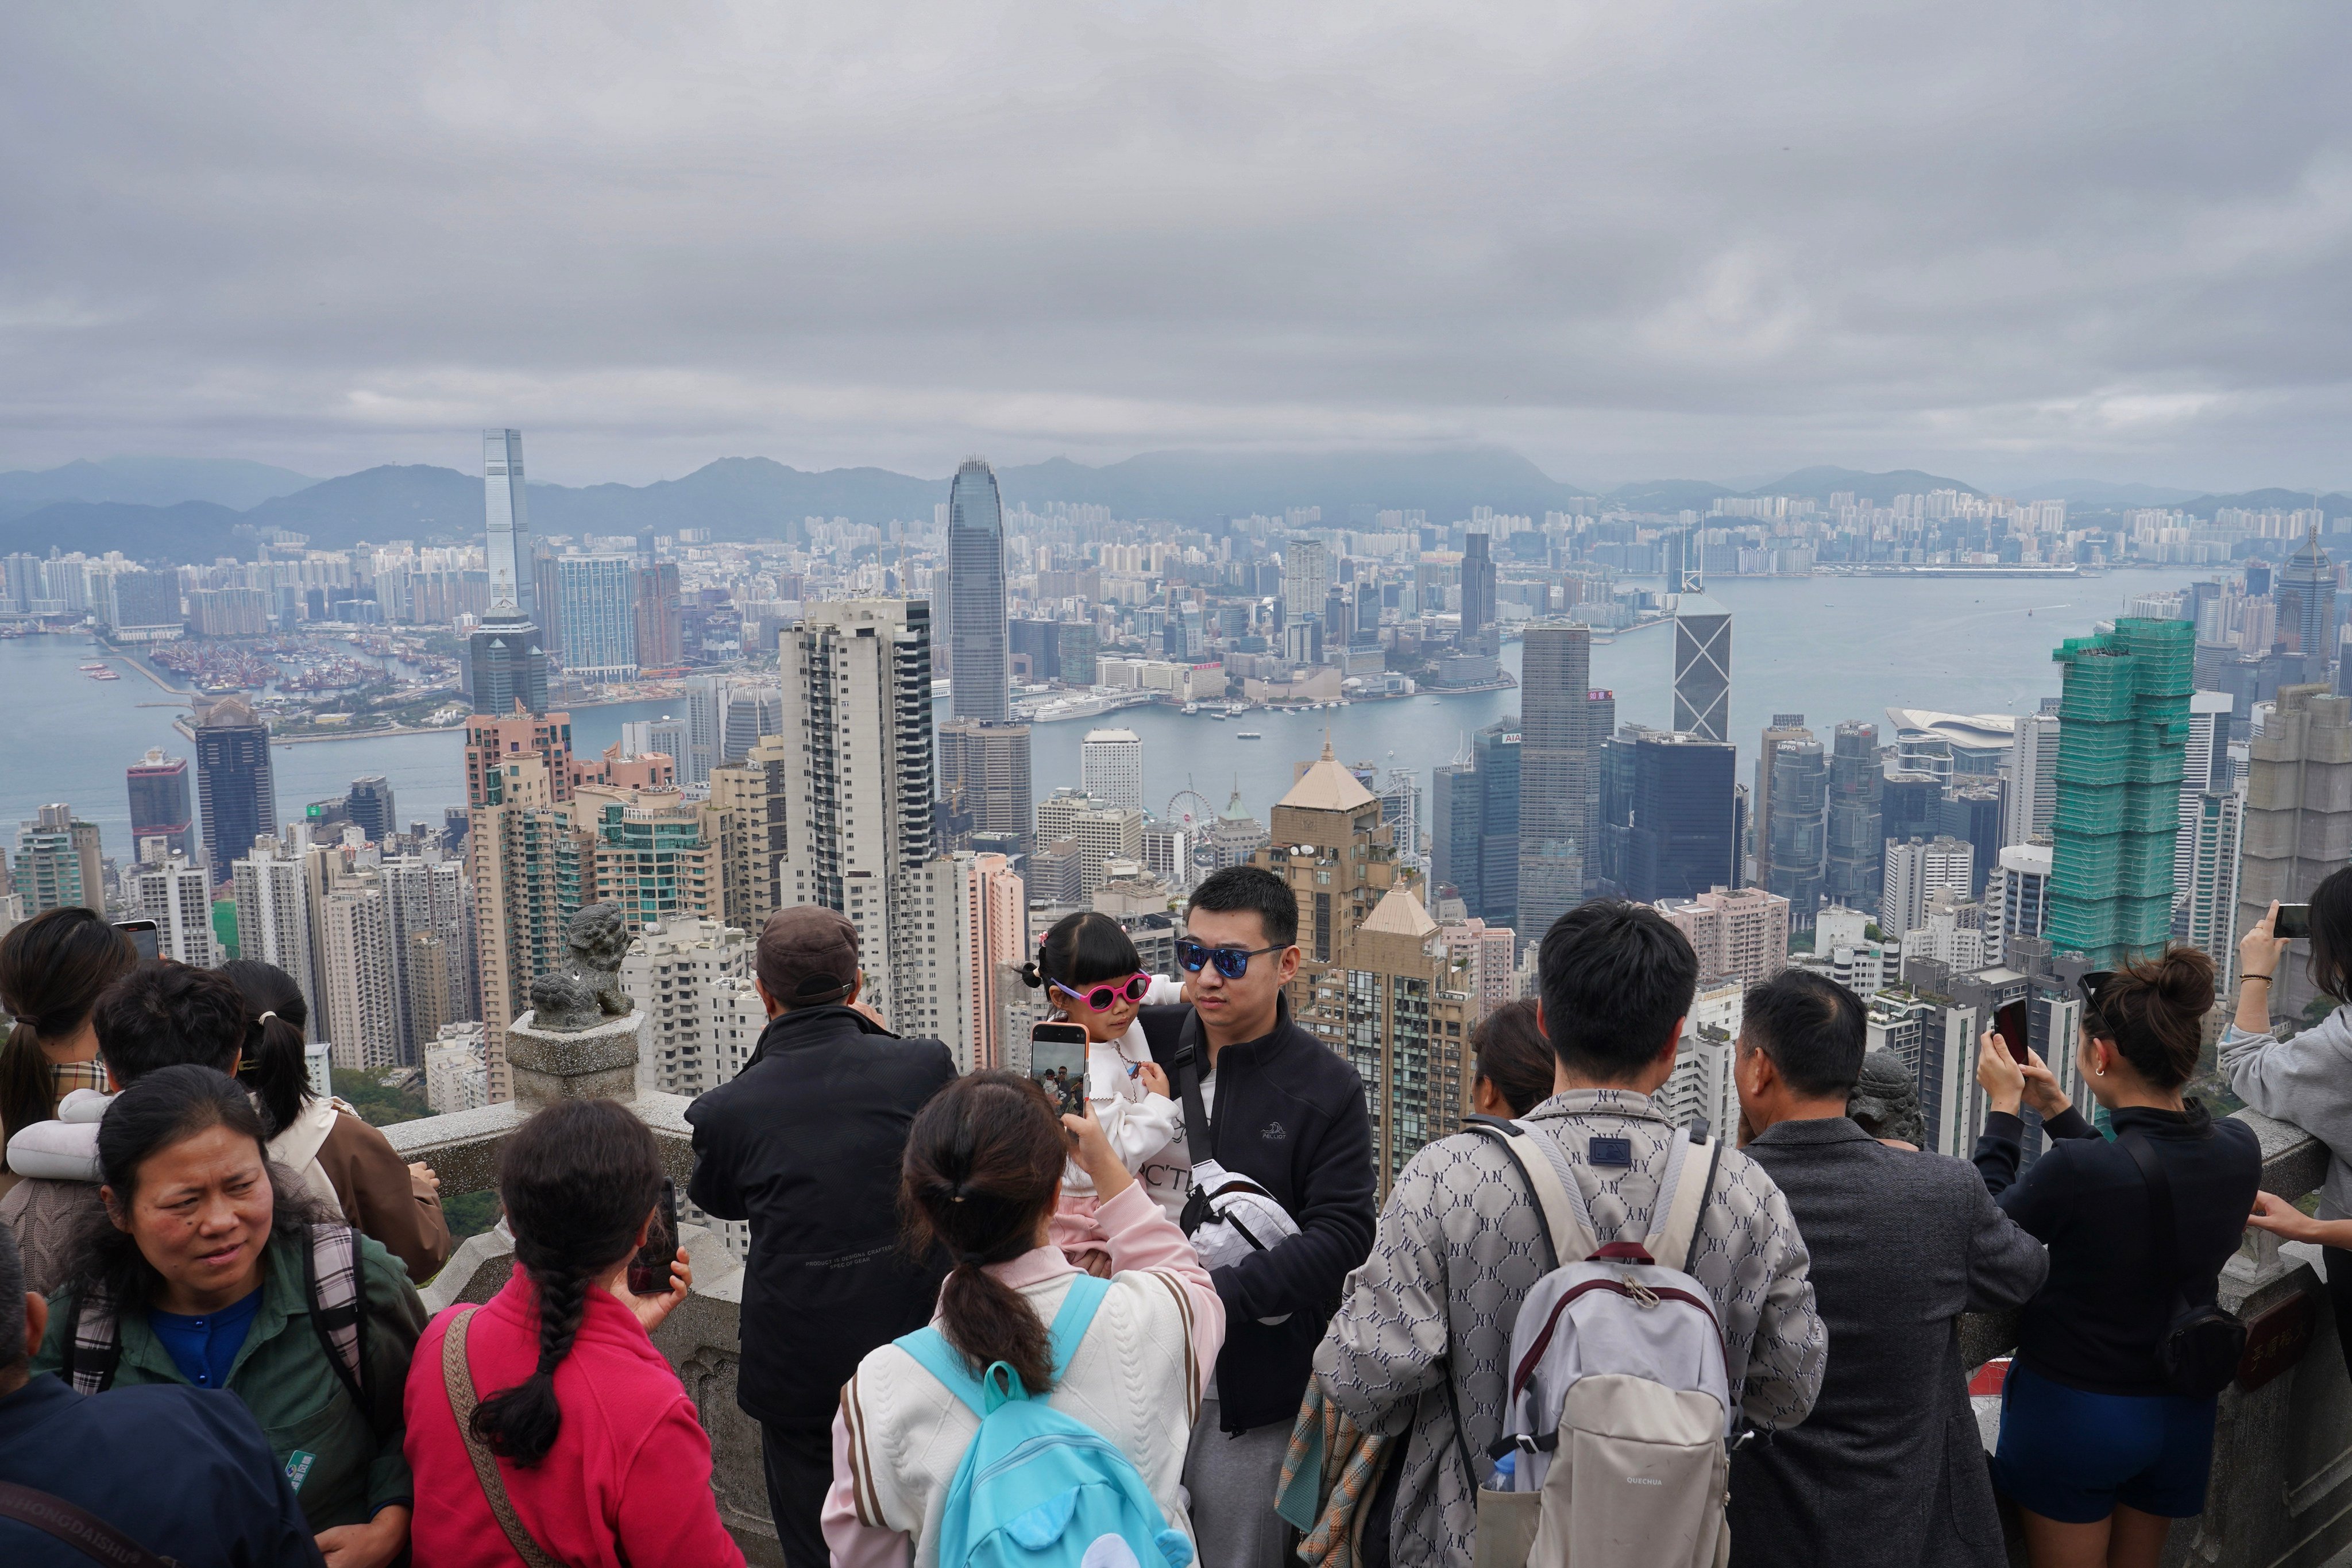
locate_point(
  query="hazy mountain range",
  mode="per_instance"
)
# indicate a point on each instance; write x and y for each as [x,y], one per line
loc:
[196,509]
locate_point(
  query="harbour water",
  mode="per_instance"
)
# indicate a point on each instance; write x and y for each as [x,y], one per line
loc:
[1832,648]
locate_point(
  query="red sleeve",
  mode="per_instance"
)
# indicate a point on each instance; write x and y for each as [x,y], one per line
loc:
[669,1514]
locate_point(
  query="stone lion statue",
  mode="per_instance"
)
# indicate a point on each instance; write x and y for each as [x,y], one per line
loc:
[1886,1103]
[585,990]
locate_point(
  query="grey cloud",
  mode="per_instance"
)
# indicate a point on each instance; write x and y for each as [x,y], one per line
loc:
[2001,241]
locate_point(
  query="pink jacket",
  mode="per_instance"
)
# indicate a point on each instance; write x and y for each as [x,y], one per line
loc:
[628,1480]
[1143,1242]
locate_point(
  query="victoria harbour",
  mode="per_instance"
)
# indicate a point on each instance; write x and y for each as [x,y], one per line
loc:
[1832,649]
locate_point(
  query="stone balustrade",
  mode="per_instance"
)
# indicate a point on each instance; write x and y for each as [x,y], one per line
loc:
[2282,1488]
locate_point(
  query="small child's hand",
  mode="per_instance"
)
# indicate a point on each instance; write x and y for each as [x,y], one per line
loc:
[1094,1153]
[1151,1078]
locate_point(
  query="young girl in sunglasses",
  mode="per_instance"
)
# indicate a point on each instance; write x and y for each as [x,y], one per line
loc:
[1093,977]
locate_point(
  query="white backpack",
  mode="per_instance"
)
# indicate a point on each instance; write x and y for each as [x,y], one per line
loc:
[1619,1403]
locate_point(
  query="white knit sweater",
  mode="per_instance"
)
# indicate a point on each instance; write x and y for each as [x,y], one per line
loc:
[1136,1378]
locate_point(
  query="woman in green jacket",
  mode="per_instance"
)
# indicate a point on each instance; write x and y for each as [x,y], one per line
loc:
[210,1269]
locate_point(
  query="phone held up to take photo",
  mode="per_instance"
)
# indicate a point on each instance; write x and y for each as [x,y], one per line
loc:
[2008,1023]
[649,1269]
[143,936]
[1057,1060]
[2294,924]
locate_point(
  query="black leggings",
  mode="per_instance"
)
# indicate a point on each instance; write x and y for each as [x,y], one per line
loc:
[2340,1296]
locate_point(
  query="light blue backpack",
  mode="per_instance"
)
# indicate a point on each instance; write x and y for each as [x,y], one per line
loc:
[1039,1488]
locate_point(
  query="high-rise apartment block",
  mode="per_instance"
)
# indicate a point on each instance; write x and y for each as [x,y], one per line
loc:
[2298,816]
[274,915]
[1558,756]
[596,595]
[523,860]
[1405,1004]
[981,656]
[1739,933]
[58,863]
[655,611]
[2205,911]
[236,781]
[1489,951]
[177,896]
[1703,1084]
[1916,870]
[161,805]
[360,976]
[2123,725]
[1703,667]
[2017,899]
[1306,583]
[858,786]
[2033,778]
[984,775]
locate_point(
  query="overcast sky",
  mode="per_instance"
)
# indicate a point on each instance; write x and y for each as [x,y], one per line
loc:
[2013,243]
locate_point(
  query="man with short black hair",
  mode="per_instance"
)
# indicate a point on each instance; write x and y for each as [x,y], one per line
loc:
[806,1142]
[183,1473]
[1889,1468]
[1426,1326]
[1289,1113]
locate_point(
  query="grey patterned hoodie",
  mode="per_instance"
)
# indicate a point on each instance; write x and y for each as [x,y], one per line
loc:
[1460,1244]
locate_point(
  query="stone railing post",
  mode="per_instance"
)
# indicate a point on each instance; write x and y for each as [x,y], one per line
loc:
[599,1062]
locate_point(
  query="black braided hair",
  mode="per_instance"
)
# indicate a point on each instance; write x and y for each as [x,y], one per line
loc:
[578,1180]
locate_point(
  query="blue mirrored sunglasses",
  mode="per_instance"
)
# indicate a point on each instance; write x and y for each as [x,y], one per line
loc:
[1233,962]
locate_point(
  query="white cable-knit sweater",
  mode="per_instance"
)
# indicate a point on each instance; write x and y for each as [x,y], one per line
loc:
[1136,1378]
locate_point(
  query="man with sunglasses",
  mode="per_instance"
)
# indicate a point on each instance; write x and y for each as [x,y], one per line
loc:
[1287,1112]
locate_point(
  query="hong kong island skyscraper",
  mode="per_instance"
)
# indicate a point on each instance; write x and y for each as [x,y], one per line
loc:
[504,664]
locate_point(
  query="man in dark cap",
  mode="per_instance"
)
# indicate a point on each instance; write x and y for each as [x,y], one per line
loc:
[805,1143]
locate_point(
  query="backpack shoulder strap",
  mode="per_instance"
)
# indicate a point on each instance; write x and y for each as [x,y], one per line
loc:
[457,1380]
[79,1528]
[333,1283]
[1077,1314]
[1568,1225]
[95,1347]
[935,1355]
[1691,1167]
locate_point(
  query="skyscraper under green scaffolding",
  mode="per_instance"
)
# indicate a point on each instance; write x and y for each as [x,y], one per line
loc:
[2123,732]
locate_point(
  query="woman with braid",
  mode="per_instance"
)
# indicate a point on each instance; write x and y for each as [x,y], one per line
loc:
[543,1425]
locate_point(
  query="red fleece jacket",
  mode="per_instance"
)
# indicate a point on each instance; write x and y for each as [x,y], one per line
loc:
[628,1480]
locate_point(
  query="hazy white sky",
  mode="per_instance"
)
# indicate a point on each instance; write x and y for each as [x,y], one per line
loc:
[2011,242]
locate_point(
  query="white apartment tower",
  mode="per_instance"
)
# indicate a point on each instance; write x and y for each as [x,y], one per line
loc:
[857,776]
[970,920]
[1916,869]
[2017,897]
[177,897]
[691,979]
[2204,766]
[1110,767]
[2032,779]
[2205,909]
[273,915]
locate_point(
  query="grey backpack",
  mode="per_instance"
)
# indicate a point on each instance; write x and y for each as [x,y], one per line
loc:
[1618,1406]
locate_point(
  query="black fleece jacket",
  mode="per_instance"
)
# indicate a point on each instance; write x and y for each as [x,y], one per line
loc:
[806,1142]
[1289,1115]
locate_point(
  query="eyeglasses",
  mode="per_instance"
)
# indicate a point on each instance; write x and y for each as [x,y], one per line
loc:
[1233,962]
[2091,985]
[1104,997]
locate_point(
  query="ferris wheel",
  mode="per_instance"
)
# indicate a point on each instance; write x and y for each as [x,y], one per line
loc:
[1189,811]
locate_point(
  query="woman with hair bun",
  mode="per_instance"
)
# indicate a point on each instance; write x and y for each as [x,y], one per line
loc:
[342,1161]
[2106,1438]
[1091,973]
[52,968]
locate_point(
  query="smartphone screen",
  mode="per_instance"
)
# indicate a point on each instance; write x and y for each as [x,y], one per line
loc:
[649,1269]
[143,936]
[1057,1060]
[2010,1024]
[2293,922]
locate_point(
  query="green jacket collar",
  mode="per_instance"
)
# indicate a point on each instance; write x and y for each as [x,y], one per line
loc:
[282,1298]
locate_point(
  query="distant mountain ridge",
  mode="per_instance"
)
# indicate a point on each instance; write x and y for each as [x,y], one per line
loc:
[757,498]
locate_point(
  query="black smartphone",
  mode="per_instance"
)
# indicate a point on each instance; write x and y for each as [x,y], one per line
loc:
[143,936]
[649,1269]
[1057,1060]
[2008,1023]
[2294,924]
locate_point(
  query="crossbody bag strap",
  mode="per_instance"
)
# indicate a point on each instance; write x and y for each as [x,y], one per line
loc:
[336,1289]
[79,1528]
[2159,1203]
[457,1378]
[1200,1138]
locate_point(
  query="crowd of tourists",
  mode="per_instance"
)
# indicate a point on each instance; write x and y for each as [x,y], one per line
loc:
[1144,1306]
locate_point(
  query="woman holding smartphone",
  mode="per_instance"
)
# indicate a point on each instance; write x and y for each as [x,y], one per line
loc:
[2306,1080]
[2102,1447]
[545,1423]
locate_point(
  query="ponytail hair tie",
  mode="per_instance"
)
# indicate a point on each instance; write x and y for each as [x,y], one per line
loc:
[264,1017]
